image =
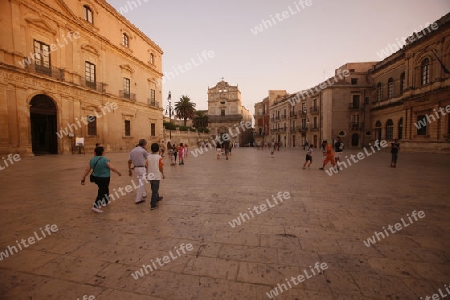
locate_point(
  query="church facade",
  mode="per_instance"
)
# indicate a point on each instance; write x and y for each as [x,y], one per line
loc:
[227,115]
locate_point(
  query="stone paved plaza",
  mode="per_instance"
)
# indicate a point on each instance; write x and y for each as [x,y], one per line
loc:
[325,220]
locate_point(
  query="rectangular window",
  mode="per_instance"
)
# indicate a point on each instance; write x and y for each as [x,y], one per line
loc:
[356,99]
[125,40]
[354,81]
[422,124]
[92,125]
[315,122]
[127,128]
[222,112]
[42,58]
[391,89]
[89,74]
[355,121]
[88,14]
[152,129]
[126,87]
[303,123]
[303,107]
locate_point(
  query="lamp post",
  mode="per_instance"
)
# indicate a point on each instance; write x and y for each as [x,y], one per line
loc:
[169,109]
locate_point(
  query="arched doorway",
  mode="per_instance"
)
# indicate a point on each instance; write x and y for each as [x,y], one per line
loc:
[43,125]
[355,140]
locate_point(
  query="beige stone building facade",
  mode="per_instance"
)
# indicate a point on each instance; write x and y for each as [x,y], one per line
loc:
[335,107]
[226,114]
[406,97]
[411,91]
[75,69]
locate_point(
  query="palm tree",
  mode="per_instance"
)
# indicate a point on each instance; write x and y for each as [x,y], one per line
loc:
[184,108]
[200,119]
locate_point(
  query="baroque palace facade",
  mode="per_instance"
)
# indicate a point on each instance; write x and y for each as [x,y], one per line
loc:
[75,71]
[406,97]
[227,115]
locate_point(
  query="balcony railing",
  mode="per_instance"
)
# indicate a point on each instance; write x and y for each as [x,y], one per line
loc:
[97,86]
[314,110]
[355,106]
[51,71]
[302,112]
[293,115]
[127,95]
[153,102]
[283,117]
[314,128]
[355,126]
[282,129]
[274,130]
[302,128]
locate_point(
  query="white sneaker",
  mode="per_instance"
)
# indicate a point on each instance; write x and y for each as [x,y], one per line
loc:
[97,210]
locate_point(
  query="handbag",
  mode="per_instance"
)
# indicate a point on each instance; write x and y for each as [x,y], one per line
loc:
[92,177]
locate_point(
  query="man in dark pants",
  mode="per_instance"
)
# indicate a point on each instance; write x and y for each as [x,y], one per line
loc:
[395,147]
[226,146]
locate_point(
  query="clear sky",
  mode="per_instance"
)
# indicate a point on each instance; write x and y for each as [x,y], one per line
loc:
[295,53]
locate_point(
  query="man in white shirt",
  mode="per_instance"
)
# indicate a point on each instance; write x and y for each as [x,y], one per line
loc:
[138,157]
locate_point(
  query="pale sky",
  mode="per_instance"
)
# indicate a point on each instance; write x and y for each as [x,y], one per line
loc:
[293,54]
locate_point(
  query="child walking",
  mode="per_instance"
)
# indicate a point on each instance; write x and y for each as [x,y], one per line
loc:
[308,157]
[155,172]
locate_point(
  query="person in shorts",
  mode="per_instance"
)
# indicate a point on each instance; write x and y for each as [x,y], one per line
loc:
[308,157]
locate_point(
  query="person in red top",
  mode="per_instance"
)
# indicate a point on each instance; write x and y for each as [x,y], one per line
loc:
[181,154]
[329,155]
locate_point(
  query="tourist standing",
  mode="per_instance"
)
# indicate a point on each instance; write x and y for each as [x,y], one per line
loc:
[338,149]
[175,153]
[308,157]
[329,155]
[170,153]
[181,154]
[226,148]
[138,157]
[155,172]
[102,171]
[395,147]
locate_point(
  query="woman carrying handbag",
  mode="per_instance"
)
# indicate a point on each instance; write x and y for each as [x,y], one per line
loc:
[101,170]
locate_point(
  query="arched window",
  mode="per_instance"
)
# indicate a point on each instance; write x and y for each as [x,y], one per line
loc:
[379,92]
[88,16]
[125,40]
[400,129]
[402,83]
[378,130]
[425,71]
[390,88]
[389,130]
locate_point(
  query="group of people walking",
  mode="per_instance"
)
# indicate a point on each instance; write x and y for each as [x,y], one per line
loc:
[147,167]
[175,151]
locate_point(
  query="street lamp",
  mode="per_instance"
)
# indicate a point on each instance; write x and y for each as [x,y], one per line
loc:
[169,109]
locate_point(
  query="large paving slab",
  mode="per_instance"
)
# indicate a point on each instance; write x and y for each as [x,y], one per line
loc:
[326,219]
